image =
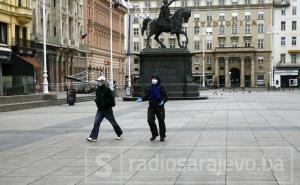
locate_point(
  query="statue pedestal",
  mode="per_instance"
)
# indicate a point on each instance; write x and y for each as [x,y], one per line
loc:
[174,67]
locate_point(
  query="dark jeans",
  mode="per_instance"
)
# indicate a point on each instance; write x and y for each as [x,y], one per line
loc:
[160,114]
[109,115]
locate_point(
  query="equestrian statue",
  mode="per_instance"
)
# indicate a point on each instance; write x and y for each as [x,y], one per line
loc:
[166,23]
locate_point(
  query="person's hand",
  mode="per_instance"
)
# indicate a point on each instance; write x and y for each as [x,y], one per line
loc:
[161,103]
[138,99]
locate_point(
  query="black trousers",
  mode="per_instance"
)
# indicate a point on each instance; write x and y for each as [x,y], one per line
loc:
[159,113]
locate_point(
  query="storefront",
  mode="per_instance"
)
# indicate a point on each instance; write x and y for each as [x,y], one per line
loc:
[5,54]
[286,78]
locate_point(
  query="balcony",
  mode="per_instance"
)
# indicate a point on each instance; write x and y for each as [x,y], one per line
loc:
[23,47]
[234,49]
[288,65]
[23,15]
[281,3]
[50,39]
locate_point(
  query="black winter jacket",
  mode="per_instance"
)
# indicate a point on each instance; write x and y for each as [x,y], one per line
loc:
[104,98]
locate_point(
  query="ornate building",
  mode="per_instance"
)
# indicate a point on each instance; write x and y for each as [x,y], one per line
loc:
[234,32]
[97,26]
[66,53]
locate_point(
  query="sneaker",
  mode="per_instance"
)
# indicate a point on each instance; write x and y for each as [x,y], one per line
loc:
[91,139]
[119,137]
[162,139]
[153,138]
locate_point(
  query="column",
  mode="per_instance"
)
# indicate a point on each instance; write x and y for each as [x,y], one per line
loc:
[252,73]
[1,86]
[226,73]
[242,72]
[217,72]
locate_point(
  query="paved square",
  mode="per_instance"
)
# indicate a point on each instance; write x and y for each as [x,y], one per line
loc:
[231,138]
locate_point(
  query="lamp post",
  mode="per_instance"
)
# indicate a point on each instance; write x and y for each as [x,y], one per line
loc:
[203,56]
[272,57]
[229,79]
[128,49]
[111,48]
[45,75]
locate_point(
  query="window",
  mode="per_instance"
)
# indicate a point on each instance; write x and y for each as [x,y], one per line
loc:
[247,15]
[54,31]
[282,41]
[184,43]
[221,2]
[294,25]
[196,30]
[209,16]
[247,43]
[248,2]
[282,25]
[260,15]
[247,28]
[261,2]
[260,60]
[183,3]
[209,45]
[260,28]
[135,20]
[196,3]
[136,69]
[208,61]
[135,31]
[19,3]
[234,29]
[147,4]
[294,58]
[234,43]
[221,43]
[294,41]
[196,61]
[197,45]
[283,12]
[197,68]
[172,43]
[159,4]
[222,30]
[222,17]
[282,58]
[136,46]
[234,2]
[294,10]
[260,43]
[136,61]
[54,3]
[208,2]
[184,29]
[3,33]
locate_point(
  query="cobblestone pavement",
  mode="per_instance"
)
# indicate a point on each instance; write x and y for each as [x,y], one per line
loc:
[231,138]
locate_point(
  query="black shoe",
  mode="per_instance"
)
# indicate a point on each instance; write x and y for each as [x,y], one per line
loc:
[162,139]
[153,138]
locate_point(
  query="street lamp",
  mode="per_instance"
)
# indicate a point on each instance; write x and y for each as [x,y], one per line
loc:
[203,57]
[45,75]
[128,49]
[111,48]
[272,57]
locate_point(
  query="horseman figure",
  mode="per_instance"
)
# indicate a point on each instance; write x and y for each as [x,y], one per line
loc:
[164,15]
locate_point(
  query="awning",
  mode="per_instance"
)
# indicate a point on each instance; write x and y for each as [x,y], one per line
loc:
[294,51]
[33,61]
[5,54]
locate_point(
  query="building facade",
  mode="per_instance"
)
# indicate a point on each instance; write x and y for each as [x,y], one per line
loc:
[16,48]
[286,39]
[66,52]
[97,26]
[234,34]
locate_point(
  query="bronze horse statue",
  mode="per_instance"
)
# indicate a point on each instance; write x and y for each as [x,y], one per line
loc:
[181,16]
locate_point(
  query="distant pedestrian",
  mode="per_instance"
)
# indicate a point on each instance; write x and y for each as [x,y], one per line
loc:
[157,96]
[105,101]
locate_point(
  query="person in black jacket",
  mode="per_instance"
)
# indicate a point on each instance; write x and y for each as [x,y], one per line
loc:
[157,96]
[105,101]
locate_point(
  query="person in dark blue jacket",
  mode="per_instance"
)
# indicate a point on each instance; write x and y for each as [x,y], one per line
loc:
[157,96]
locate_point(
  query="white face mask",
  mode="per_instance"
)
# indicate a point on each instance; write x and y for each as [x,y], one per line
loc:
[154,81]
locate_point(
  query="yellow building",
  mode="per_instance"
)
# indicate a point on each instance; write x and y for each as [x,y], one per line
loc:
[17,60]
